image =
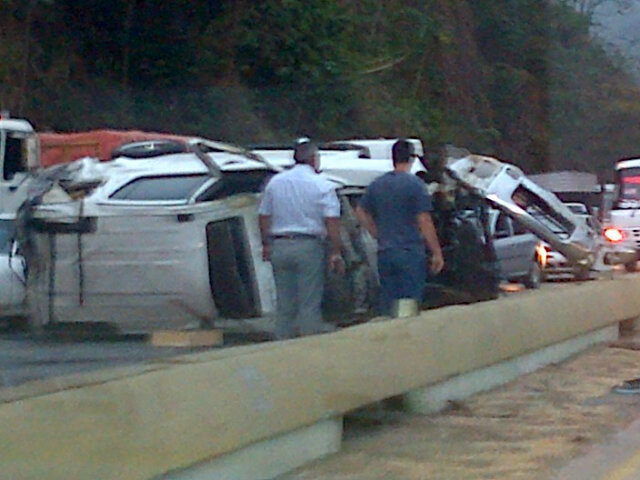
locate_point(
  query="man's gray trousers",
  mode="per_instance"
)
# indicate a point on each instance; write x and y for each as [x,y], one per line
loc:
[298,269]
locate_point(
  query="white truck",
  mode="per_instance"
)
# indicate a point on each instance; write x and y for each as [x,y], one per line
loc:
[19,156]
[622,224]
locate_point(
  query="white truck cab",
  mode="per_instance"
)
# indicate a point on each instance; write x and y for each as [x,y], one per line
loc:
[19,155]
[623,220]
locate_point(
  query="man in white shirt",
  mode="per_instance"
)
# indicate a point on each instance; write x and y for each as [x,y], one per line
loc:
[298,212]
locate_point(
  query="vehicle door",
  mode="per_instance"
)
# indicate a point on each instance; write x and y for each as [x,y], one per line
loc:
[506,250]
[525,244]
[11,268]
[515,246]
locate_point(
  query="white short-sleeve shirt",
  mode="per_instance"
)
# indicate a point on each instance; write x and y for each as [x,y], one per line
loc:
[298,200]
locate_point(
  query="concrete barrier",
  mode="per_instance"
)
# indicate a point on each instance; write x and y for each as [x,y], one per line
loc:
[143,423]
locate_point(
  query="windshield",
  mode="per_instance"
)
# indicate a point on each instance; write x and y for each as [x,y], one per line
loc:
[628,183]
[15,155]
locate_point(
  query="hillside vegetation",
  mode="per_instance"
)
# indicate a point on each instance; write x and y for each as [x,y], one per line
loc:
[518,79]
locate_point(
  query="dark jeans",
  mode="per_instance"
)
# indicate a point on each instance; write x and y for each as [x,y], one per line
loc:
[403,273]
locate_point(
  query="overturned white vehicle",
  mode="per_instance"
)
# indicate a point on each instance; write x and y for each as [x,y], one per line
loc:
[165,235]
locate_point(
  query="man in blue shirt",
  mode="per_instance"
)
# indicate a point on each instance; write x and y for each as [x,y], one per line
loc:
[395,210]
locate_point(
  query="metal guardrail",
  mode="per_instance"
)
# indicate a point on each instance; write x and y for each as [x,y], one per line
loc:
[202,406]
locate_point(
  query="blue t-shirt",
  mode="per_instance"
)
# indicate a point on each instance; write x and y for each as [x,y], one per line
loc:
[394,200]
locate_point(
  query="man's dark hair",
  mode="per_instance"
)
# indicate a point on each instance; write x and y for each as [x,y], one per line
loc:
[402,151]
[305,152]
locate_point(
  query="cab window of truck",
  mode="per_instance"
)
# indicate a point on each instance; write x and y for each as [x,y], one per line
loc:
[628,180]
[14,157]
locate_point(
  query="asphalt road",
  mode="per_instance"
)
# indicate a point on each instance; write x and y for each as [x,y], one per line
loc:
[618,458]
[23,358]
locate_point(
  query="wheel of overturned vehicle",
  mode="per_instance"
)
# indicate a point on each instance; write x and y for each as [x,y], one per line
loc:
[534,277]
[631,266]
[149,149]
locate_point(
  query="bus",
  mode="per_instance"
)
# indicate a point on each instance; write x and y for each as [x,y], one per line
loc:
[623,220]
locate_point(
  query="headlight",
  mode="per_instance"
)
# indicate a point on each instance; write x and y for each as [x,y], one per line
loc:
[613,235]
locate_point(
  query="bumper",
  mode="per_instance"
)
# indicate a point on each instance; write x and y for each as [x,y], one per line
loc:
[557,265]
[618,255]
[13,310]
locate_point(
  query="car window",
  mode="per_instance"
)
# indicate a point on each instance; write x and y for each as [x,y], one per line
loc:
[233,183]
[503,228]
[14,160]
[518,227]
[577,208]
[175,187]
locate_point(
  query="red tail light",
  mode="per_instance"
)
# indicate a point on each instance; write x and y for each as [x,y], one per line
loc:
[613,235]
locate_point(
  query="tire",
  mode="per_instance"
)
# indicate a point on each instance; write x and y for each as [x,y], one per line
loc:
[581,274]
[534,277]
[631,266]
[149,149]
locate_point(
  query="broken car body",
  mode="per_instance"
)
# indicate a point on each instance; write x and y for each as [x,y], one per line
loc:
[507,188]
[171,240]
[148,241]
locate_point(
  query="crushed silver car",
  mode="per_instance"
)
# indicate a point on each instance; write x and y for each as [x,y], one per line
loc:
[507,188]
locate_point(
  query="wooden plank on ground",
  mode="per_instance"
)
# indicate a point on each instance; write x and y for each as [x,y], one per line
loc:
[186,338]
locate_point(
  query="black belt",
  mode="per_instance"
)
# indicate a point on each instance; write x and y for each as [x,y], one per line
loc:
[295,236]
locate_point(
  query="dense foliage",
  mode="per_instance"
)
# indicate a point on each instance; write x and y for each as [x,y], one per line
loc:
[519,79]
